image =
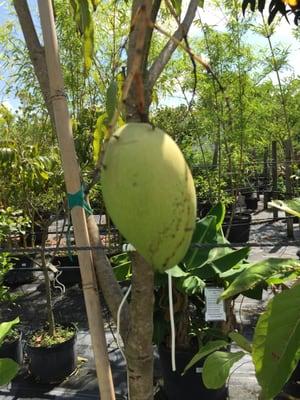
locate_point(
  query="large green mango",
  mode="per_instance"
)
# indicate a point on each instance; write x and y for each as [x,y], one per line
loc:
[149,193]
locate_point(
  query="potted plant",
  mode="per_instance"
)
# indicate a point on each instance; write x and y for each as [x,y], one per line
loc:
[51,349]
[205,269]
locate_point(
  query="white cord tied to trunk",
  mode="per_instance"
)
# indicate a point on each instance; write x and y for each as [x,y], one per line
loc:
[171,310]
[119,336]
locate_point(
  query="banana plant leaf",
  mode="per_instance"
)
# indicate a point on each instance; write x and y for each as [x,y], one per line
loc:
[260,272]
[8,370]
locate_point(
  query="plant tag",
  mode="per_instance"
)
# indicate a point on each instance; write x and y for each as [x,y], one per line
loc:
[199,370]
[214,311]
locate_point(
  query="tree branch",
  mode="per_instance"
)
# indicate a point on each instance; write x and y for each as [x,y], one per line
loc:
[36,52]
[166,53]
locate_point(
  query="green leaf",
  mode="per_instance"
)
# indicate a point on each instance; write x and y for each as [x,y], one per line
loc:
[289,206]
[201,3]
[111,99]
[258,273]
[190,285]
[276,342]
[204,351]
[218,211]
[122,272]
[100,133]
[176,272]
[217,367]
[177,6]
[241,341]
[223,262]
[5,327]
[8,370]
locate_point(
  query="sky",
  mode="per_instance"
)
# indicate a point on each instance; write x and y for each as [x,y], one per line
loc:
[210,16]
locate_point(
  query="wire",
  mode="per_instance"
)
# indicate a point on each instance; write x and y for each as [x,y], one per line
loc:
[171,310]
[119,336]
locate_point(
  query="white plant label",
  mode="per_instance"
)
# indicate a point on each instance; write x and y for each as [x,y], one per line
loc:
[214,311]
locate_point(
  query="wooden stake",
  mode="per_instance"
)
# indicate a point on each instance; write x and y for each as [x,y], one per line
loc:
[73,185]
[274,177]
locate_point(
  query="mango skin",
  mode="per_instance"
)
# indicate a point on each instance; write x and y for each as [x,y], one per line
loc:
[149,193]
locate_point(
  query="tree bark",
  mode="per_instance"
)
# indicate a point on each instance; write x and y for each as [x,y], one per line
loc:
[139,348]
[36,53]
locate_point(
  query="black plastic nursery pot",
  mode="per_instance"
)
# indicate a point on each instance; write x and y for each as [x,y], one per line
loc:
[251,203]
[52,364]
[189,386]
[70,269]
[13,350]
[19,274]
[239,228]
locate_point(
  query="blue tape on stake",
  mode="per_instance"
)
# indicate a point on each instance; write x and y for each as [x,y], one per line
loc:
[77,199]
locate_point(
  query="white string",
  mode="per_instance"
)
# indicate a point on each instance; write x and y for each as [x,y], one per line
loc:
[119,336]
[171,310]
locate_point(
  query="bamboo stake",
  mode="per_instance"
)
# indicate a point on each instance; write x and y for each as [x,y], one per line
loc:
[73,185]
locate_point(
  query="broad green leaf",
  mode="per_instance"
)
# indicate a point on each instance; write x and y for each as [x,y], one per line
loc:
[241,341]
[289,206]
[204,351]
[111,99]
[5,327]
[205,232]
[8,370]
[100,133]
[224,262]
[276,342]
[176,272]
[217,367]
[218,211]
[258,273]
[190,285]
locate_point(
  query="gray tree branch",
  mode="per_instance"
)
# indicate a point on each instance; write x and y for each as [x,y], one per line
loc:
[159,64]
[36,52]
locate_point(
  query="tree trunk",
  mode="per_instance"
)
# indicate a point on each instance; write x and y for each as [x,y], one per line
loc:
[139,348]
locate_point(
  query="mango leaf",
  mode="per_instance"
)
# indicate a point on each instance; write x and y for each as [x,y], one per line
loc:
[100,133]
[205,350]
[85,26]
[217,367]
[219,212]
[258,273]
[241,341]
[111,99]
[289,206]
[276,342]
[8,370]
[177,6]
[5,327]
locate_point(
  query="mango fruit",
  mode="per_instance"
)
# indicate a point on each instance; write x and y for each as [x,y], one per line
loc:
[149,193]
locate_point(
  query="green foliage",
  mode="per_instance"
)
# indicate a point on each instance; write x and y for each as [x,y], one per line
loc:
[204,351]
[8,368]
[276,342]
[262,272]
[217,366]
